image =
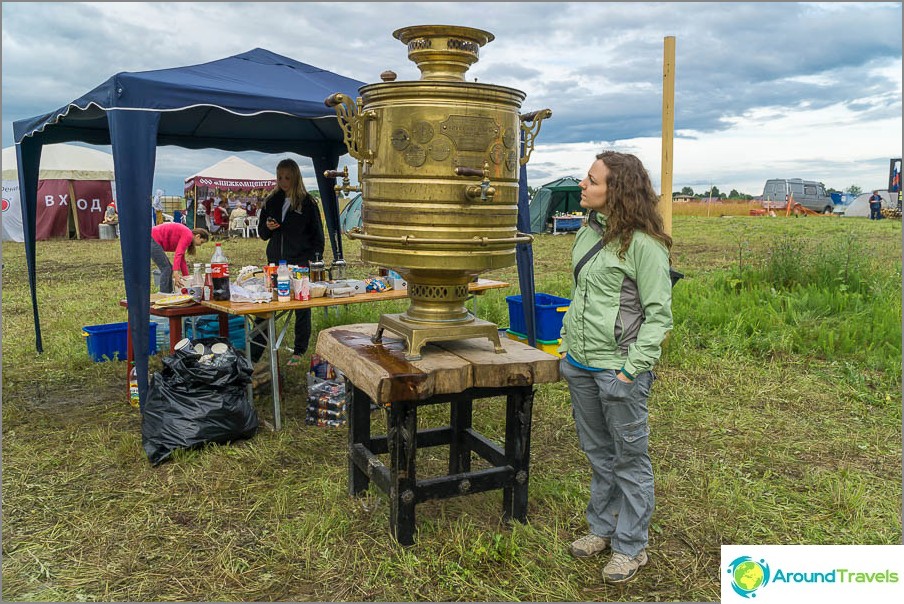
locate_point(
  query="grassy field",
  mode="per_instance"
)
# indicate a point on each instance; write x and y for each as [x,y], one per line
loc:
[776,419]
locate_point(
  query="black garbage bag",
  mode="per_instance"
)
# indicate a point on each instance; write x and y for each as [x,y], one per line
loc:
[198,398]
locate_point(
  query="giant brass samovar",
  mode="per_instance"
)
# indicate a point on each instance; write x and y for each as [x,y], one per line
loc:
[438,162]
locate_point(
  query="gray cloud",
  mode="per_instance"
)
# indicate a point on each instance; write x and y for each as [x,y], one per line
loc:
[597,65]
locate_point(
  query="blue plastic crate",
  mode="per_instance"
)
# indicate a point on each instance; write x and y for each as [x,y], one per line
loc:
[208,326]
[549,312]
[109,341]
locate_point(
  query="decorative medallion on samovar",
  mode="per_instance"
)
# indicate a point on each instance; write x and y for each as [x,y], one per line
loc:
[438,162]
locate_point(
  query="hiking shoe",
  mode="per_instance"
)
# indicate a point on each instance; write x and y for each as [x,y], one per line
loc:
[621,567]
[588,545]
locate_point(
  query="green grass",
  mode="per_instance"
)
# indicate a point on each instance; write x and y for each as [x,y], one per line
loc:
[776,418]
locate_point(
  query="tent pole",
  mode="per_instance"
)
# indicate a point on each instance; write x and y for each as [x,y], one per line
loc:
[73,213]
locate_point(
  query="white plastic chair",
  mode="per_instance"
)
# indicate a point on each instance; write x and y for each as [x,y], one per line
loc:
[251,225]
[238,224]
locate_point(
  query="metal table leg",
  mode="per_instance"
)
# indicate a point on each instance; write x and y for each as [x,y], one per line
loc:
[274,369]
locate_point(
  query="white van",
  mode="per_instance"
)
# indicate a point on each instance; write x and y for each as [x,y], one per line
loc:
[808,193]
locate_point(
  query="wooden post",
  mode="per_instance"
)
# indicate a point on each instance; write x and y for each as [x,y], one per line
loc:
[73,212]
[668,128]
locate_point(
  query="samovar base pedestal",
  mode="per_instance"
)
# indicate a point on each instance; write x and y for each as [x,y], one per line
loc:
[417,336]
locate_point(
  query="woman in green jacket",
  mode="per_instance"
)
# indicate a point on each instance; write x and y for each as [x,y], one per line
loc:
[611,338]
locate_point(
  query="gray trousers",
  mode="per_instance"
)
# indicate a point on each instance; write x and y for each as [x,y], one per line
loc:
[613,429]
[166,267]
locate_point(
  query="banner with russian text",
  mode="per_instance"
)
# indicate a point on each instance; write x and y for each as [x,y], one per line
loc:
[91,199]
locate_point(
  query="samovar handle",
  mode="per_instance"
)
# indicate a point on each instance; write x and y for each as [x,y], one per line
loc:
[529,132]
[352,122]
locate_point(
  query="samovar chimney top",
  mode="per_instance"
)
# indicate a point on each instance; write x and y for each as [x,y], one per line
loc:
[443,52]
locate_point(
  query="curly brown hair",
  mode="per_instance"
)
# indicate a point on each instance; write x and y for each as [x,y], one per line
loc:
[631,202]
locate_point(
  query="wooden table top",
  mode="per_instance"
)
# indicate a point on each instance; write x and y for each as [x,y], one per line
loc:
[381,371]
[251,308]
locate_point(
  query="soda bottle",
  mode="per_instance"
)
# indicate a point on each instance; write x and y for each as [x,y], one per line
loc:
[219,268]
[208,282]
[282,282]
[271,277]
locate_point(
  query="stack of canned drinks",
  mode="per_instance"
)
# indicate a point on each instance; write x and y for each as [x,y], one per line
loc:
[327,402]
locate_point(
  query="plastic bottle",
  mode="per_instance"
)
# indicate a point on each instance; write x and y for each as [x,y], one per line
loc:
[271,277]
[219,268]
[197,278]
[283,287]
[208,282]
[133,387]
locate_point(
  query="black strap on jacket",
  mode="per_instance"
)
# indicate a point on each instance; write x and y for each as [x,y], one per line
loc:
[674,276]
[592,223]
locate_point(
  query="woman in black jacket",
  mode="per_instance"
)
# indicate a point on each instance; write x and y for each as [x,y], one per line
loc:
[290,224]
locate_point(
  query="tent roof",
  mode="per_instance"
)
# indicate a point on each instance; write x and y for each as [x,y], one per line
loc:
[234,168]
[64,162]
[564,183]
[208,106]
[254,101]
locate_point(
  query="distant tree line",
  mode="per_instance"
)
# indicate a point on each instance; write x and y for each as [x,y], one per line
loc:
[715,193]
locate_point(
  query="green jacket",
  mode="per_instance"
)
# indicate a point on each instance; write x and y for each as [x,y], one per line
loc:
[620,311]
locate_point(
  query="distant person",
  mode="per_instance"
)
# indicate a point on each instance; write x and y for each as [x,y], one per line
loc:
[237,219]
[875,206]
[612,334]
[157,205]
[178,239]
[290,224]
[220,220]
[111,217]
[110,214]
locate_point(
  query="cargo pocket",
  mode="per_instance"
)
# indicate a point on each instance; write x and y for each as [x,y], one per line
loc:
[635,436]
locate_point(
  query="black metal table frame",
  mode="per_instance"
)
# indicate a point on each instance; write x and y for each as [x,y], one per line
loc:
[399,481]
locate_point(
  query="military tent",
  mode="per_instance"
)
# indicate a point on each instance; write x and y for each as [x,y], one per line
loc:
[75,184]
[563,195]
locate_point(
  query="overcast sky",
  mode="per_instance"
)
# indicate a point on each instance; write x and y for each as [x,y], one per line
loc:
[763,90]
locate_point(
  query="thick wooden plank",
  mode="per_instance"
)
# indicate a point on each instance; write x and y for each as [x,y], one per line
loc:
[382,372]
[519,365]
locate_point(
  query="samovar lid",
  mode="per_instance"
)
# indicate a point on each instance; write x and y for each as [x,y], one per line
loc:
[443,52]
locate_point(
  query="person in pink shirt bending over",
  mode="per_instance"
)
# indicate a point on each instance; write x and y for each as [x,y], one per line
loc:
[179,239]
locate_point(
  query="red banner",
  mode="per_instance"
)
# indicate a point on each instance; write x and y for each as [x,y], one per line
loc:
[91,199]
[228,184]
[55,202]
[53,210]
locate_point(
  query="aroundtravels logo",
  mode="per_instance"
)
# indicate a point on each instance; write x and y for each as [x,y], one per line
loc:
[748,575]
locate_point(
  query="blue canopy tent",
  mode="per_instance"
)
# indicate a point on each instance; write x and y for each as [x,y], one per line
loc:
[255,101]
